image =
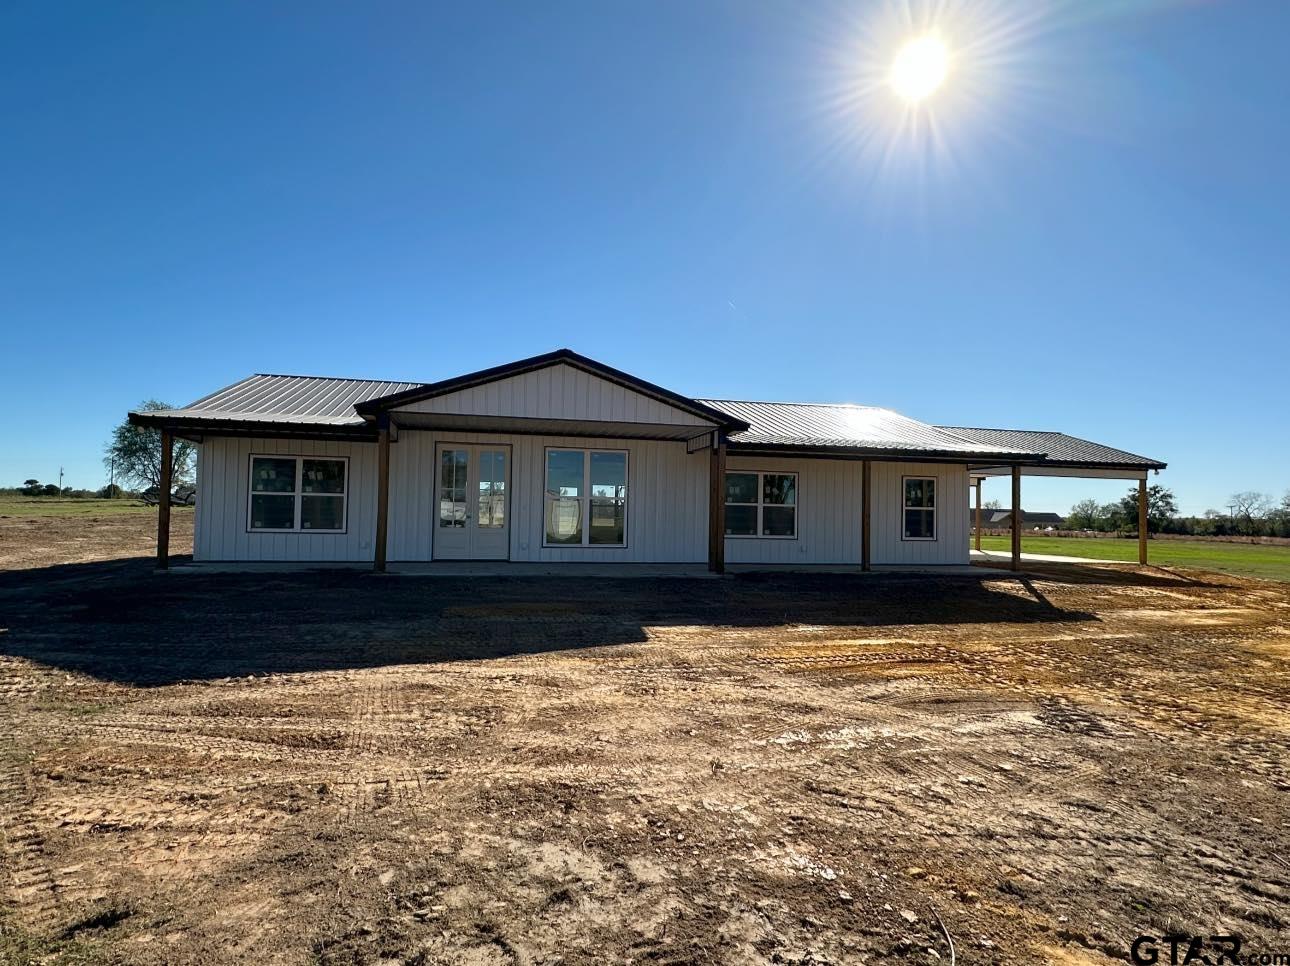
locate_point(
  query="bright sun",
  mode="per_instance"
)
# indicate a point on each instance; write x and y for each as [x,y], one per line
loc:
[920,68]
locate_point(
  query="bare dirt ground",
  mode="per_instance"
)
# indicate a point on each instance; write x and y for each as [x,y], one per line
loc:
[345,768]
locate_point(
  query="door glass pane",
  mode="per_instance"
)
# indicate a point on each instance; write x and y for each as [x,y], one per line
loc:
[778,521]
[741,488]
[452,488]
[741,521]
[492,489]
[273,511]
[563,519]
[564,472]
[273,474]
[323,476]
[322,513]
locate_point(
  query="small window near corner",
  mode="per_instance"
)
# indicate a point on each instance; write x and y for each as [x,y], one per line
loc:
[298,493]
[919,507]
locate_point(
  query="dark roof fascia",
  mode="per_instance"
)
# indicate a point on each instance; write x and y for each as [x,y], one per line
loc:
[253,427]
[869,453]
[568,356]
[1074,465]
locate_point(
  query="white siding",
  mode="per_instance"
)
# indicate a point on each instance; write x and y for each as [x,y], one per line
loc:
[887,515]
[223,476]
[667,509]
[828,514]
[556,392]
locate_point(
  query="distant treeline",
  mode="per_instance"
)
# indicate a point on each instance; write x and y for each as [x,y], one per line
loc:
[1249,514]
[36,488]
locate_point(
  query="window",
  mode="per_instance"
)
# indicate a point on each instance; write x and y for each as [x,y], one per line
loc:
[920,508]
[297,493]
[761,505]
[586,498]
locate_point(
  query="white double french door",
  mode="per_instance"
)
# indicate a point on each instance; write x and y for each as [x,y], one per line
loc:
[472,496]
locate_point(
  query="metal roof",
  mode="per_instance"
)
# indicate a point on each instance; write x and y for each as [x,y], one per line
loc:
[1057,447]
[314,400]
[266,403]
[847,426]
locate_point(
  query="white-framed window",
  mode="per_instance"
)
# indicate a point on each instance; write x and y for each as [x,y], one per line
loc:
[298,494]
[919,496]
[585,500]
[762,505]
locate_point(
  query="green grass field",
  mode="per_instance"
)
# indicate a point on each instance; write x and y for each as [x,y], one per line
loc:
[1251,560]
[16,505]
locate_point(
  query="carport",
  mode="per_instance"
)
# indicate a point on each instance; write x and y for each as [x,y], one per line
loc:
[1063,456]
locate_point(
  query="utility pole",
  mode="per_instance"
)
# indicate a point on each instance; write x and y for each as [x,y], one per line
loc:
[60,480]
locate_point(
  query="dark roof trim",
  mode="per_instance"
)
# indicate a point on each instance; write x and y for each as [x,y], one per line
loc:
[252,427]
[871,453]
[566,356]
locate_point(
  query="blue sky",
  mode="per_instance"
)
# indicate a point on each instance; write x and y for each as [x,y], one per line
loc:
[1084,230]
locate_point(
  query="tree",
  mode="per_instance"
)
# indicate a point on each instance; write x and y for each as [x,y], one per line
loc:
[110,492]
[32,488]
[1249,509]
[1085,515]
[1112,516]
[1161,508]
[991,505]
[134,453]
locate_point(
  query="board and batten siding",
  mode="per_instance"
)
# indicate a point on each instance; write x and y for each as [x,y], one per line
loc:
[557,392]
[828,514]
[888,511]
[667,503]
[223,482]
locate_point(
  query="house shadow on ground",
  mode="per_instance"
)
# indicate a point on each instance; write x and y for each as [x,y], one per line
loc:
[119,621]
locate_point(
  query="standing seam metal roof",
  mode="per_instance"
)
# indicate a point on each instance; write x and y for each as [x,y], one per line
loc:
[305,399]
[846,425]
[1058,446]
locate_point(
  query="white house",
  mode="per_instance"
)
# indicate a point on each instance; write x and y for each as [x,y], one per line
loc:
[561,459]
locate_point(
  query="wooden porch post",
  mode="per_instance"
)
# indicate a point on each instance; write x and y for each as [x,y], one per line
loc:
[866,503]
[717,507]
[1016,518]
[979,481]
[1142,520]
[163,500]
[382,491]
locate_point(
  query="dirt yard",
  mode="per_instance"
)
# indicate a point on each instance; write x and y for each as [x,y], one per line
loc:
[345,768]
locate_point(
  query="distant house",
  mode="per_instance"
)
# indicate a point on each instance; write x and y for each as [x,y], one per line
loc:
[1002,519]
[559,459]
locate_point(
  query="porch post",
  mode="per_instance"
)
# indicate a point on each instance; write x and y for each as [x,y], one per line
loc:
[382,490]
[717,507]
[1142,520]
[163,500]
[866,503]
[979,481]
[1016,518]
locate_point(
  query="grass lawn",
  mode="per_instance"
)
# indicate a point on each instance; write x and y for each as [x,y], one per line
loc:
[1252,560]
[14,505]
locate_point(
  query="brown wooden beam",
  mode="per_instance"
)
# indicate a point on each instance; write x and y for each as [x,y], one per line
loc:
[382,493]
[164,486]
[866,515]
[717,509]
[978,513]
[1142,521]
[1016,518]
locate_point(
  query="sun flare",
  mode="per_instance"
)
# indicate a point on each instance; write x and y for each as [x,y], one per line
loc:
[920,68]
